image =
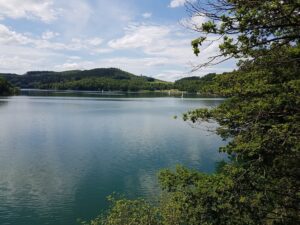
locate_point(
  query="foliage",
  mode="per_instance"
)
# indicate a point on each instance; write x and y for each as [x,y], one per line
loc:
[94,80]
[6,88]
[262,121]
[122,211]
[196,84]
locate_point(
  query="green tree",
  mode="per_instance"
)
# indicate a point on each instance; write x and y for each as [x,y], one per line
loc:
[6,88]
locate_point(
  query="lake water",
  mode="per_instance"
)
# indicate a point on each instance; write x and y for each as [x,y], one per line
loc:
[61,154]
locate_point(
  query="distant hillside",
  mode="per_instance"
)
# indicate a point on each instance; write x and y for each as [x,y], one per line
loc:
[96,79]
[107,79]
[195,84]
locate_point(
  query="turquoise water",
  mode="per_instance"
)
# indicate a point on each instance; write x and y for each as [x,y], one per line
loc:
[61,155]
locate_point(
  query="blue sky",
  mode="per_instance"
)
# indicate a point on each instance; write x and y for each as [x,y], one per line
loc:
[140,36]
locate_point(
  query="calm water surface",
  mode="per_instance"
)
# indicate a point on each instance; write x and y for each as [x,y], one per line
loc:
[60,156]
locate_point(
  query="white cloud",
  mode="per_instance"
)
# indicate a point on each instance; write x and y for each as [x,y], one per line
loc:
[8,36]
[19,59]
[74,57]
[68,66]
[140,36]
[76,16]
[49,35]
[79,17]
[171,75]
[75,44]
[147,15]
[95,41]
[13,38]
[178,3]
[30,9]
[13,63]
[101,50]
[194,22]
[166,50]
[156,41]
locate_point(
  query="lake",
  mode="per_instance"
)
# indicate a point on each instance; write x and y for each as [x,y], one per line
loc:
[62,153]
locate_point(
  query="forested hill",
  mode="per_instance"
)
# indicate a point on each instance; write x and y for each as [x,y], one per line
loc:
[96,79]
[196,84]
[105,79]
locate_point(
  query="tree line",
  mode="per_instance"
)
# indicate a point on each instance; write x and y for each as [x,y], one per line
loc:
[110,79]
[6,88]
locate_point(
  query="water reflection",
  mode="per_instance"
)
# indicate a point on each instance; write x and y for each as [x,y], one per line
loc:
[3,102]
[61,156]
